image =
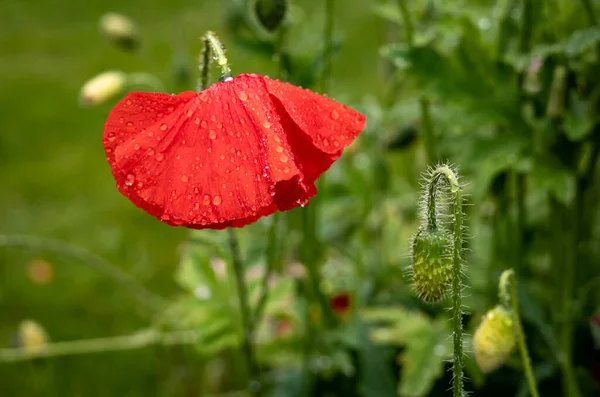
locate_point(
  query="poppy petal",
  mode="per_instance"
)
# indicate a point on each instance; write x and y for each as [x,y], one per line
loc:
[330,124]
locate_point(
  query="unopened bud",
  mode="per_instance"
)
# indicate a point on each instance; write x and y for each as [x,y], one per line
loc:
[102,88]
[32,337]
[120,30]
[270,13]
[494,340]
[432,264]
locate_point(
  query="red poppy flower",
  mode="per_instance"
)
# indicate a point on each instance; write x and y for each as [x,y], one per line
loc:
[228,155]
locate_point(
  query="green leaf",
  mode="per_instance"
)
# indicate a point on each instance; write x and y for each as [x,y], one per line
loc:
[582,41]
[388,11]
[426,345]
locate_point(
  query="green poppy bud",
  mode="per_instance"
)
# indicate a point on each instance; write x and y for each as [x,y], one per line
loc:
[432,263]
[494,339]
[270,13]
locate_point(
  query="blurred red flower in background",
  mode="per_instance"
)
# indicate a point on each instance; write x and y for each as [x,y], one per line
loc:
[228,155]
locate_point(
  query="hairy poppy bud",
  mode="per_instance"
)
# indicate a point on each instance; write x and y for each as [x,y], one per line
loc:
[32,337]
[270,13]
[432,263]
[494,340]
[102,88]
[120,30]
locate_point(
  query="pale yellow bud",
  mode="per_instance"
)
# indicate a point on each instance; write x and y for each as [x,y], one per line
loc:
[120,30]
[494,340]
[102,88]
[32,336]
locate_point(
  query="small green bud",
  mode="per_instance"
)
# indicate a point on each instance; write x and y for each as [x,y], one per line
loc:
[432,263]
[494,339]
[270,13]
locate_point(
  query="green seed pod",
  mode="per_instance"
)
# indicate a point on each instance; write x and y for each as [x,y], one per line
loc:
[494,340]
[432,263]
[270,13]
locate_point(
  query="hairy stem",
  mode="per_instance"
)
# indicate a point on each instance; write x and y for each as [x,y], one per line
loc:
[242,290]
[443,176]
[204,64]
[218,52]
[514,303]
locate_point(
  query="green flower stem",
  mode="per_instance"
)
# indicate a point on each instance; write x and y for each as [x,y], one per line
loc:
[408,26]
[511,285]
[272,259]
[204,64]
[138,340]
[218,51]
[279,51]
[443,176]
[589,9]
[242,290]
[308,254]
[328,40]
[427,128]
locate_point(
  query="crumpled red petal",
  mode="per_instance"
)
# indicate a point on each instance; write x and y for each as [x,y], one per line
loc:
[228,155]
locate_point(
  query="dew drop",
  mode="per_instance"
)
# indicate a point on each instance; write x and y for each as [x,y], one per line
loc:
[335,115]
[242,95]
[136,146]
[217,200]
[111,136]
[150,152]
[129,179]
[326,142]
[286,170]
[128,102]
[219,125]
[197,121]
[196,205]
[129,124]
[163,127]
[197,158]
[203,124]
[160,156]
[266,124]
[222,157]
[284,158]
[279,149]
[150,133]
[212,134]
[206,199]
[121,120]
[204,96]
[184,178]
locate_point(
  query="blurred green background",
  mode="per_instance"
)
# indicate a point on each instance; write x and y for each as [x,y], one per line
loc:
[531,173]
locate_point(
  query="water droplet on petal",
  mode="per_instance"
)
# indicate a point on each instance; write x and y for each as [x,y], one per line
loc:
[266,124]
[242,95]
[326,142]
[184,178]
[219,125]
[279,149]
[163,127]
[206,199]
[284,158]
[335,115]
[189,112]
[129,124]
[203,124]
[212,134]
[217,200]
[160,156]
[150,152]
[129,179]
